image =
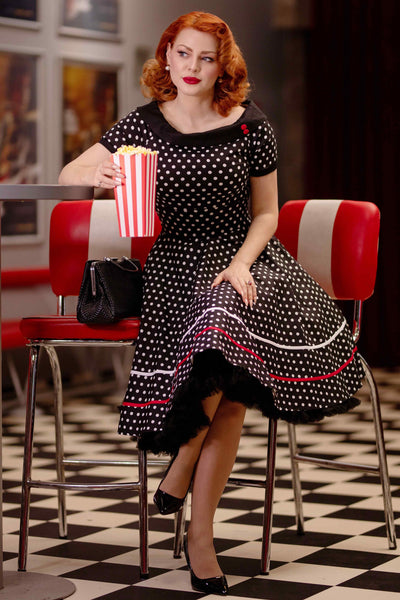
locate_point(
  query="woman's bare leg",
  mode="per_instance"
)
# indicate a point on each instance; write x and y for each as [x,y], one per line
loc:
[214,466]
[180,474]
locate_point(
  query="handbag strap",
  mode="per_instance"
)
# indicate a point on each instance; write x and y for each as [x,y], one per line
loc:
[117,264]
[111,261]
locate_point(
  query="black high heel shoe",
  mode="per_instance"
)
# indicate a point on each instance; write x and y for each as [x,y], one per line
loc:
[166,503]
[212,585]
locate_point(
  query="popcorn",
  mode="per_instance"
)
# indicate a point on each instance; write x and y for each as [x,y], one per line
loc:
[135,197]
[135,150]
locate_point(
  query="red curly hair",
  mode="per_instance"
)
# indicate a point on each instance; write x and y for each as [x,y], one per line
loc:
[231,88]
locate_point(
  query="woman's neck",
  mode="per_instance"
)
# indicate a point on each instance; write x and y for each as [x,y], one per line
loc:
[193,115]
[190,115]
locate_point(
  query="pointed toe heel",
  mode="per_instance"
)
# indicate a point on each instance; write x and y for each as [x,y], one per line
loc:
[212,585]
[166,503]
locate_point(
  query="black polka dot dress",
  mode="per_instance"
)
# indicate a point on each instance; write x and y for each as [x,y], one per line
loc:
[291,355]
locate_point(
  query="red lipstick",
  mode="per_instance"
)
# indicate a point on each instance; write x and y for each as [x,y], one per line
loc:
[191,80]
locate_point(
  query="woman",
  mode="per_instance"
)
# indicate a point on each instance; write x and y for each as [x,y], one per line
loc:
[229,318]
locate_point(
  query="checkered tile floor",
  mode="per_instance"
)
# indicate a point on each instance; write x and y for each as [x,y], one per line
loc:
[344,553]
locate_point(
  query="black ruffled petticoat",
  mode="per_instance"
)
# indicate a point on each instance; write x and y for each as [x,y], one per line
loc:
[210,373]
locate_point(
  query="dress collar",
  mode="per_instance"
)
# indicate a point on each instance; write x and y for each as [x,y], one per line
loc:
[251,118]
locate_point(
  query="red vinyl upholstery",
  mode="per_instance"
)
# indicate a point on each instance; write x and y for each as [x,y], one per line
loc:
[73,226]
[25,277]
[68,327]
[336,241]
[11,336]
[79,231]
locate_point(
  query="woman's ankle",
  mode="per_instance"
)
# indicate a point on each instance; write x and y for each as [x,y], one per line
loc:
[178,479]
[202,555]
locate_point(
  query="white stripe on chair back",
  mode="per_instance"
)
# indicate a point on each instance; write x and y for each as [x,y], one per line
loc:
[104,231]
[314,250]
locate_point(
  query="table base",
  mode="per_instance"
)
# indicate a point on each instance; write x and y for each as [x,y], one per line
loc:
[35,586]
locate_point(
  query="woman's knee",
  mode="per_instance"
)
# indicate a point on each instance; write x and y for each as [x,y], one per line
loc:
[231,409]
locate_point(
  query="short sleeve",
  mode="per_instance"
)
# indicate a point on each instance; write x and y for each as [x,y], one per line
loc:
[129,131]
[264,153]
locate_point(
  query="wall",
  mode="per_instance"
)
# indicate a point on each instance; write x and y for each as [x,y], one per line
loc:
[142,22]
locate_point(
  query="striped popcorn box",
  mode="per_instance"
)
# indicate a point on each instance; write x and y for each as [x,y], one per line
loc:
[136,195]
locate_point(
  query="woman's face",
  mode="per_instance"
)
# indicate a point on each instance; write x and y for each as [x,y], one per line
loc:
[193,63]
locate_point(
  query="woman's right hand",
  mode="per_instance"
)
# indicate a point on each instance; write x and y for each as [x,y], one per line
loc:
[94,167]
[107,175]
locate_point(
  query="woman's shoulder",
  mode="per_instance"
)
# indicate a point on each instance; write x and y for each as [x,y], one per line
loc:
[132,129]
[145,111]
[254,114]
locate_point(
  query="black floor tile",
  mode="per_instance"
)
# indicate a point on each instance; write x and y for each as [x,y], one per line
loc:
[232,565]
[146,593]
[85,551]
[359,514]
[376,580]
[50,530]
[271,589]
[346,558]
[110,573]
[310,538]
[239,504]
[336,499]
[37,513]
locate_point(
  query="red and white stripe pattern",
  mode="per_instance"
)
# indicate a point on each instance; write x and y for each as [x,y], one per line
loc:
[88,230]
[314,246]
[135,197]
[104,230]
[336,241]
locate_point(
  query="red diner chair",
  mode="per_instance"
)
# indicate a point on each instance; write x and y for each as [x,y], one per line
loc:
[336,241]
[79,231]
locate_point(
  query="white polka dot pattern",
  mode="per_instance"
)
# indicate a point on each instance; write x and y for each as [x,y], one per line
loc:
[294,341]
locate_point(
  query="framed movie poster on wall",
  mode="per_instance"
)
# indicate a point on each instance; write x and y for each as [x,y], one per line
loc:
[91,18]
[90,105]
[19,147]
[19,13]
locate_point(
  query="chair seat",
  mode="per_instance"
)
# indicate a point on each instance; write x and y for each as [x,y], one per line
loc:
[69,328]
[11,336]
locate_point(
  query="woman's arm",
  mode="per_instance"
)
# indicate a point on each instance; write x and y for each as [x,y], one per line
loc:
[93,168]
[264,209]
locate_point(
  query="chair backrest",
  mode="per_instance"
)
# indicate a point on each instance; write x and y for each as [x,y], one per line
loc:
[336,241]
[84,230]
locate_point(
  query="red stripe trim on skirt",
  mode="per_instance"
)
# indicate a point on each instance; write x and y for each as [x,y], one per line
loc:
[277,377]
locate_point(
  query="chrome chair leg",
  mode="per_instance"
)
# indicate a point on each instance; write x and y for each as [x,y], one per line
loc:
[20,392]
[298,502]
[143,515]
[380,447]
[381,469]
[59,438]
[180,521]
[27,463]
[269,496]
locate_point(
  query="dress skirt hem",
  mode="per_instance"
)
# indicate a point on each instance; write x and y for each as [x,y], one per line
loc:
[212,372]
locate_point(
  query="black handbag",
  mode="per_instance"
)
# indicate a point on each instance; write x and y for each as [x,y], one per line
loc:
[111,290]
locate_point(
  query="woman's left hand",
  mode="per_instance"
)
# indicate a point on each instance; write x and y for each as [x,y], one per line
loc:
[241,279]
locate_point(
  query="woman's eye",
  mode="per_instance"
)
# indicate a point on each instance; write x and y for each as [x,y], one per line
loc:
[208,59]
[182,53]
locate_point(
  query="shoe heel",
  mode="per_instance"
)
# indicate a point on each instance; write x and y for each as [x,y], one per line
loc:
[166,503]
[212,585]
